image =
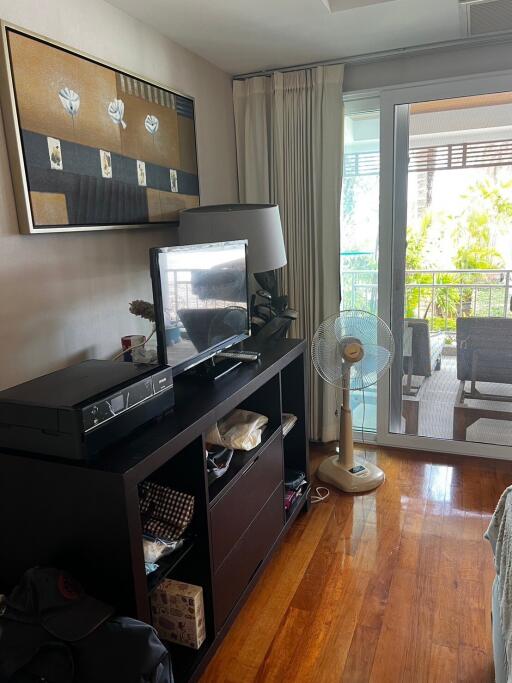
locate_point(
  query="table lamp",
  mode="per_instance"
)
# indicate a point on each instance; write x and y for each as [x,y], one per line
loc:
[260,224]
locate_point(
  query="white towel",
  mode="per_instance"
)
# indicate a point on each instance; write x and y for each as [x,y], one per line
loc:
[499,535]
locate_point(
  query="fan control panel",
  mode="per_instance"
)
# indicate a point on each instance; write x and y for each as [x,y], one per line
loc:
[358,469]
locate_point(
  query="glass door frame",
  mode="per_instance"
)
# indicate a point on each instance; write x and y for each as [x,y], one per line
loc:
[394,136]
[358,102]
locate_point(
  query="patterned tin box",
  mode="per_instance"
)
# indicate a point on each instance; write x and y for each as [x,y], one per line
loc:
[178,613]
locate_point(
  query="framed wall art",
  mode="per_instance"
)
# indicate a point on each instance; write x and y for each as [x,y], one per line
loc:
[92,147]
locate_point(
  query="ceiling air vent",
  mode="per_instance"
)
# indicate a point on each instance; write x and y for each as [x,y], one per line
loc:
[486,16]
[342,5]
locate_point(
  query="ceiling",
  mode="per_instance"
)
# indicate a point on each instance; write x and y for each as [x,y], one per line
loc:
[248,35]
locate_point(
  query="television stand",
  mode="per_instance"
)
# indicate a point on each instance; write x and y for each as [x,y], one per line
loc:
[85,517]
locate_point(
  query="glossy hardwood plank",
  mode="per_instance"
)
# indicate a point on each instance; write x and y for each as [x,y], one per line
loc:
[253,632]
[474,666]
[443,666]
[393,585]
[361,654]
[288,639]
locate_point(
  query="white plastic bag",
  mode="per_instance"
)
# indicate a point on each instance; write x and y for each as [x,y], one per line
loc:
[155,548]
[240,430]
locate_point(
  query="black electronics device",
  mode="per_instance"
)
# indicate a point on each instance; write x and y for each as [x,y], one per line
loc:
[76,412]
[201,301]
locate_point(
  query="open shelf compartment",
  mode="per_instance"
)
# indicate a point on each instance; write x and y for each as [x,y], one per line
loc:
[297,504]
[265,401]
[295,442]
[240,462]
[168,563]
[190,563]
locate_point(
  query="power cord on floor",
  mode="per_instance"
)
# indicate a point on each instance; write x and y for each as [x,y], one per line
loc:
[318,496]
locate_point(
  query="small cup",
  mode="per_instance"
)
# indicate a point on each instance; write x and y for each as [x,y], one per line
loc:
[128,342]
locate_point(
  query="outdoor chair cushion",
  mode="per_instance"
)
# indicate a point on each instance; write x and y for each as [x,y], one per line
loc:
[484,349]
[426,348]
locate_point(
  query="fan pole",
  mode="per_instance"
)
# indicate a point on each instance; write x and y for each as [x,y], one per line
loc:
[346,443]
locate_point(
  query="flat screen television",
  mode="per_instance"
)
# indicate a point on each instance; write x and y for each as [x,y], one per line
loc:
[200,293]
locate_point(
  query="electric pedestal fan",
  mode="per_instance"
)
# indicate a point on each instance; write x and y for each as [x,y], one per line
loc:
[351,351]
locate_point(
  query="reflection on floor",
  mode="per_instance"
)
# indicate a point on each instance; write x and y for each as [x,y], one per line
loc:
[393,585]
[438,398]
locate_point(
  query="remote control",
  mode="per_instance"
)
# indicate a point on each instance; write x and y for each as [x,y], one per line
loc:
[244,356]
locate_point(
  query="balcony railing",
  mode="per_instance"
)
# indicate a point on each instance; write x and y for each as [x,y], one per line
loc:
[440,296]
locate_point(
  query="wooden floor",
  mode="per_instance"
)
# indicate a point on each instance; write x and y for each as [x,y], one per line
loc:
[393,586]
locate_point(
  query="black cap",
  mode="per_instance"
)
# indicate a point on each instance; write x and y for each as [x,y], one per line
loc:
[52,598]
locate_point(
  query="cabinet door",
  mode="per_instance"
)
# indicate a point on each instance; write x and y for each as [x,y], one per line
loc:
[247,556]
[233,513]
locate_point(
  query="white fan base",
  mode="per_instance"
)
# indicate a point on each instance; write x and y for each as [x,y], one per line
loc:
[334,472]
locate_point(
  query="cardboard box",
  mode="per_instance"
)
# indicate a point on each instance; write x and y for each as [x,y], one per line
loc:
[178,613]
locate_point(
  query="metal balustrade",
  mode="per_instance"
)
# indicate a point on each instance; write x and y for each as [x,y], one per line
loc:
[440,296]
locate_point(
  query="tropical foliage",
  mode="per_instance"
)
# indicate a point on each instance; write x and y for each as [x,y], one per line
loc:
[470,236]
[487,211]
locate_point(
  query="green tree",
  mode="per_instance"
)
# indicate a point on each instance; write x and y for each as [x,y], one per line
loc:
[417,239]
[422,299]
[487,211]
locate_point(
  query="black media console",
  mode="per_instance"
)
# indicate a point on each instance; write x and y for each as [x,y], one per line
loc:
[85,518]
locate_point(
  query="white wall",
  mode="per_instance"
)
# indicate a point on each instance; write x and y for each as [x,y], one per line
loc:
[428,65]
[65,297]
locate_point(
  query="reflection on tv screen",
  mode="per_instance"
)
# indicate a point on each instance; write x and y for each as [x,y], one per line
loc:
[204,297]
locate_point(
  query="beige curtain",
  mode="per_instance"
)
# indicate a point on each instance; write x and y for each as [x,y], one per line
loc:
[289,133]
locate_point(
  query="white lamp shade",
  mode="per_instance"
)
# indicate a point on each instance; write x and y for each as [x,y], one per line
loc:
[259,224]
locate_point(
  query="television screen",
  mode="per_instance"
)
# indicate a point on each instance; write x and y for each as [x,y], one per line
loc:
[201,300]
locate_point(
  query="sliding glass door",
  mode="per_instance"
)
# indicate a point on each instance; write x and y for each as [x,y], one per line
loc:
[445,280]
